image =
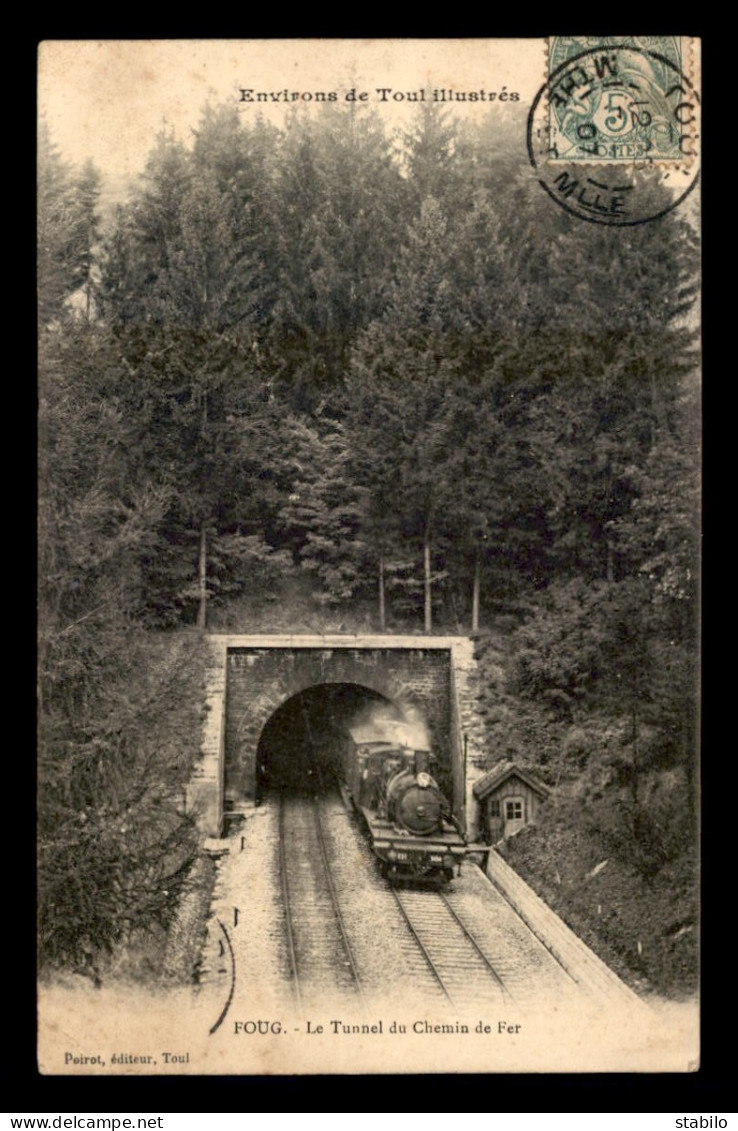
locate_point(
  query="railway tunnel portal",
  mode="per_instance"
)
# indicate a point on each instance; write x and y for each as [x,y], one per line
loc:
[275,703]
[303,743]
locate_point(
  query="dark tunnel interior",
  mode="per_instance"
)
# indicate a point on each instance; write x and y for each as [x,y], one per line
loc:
[302,746]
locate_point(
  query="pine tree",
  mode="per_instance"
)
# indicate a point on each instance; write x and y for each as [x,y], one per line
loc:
[402,369]
[67,229]
[337,192]
[184,286]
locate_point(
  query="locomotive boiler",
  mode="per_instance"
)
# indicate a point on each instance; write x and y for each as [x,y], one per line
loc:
[407,816]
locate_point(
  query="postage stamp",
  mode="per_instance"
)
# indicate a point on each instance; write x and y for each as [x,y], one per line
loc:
[614,132]
[619,100]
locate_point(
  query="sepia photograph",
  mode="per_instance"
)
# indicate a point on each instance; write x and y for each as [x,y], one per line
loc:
[369,418]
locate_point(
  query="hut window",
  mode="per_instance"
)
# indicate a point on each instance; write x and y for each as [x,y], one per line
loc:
[514,810]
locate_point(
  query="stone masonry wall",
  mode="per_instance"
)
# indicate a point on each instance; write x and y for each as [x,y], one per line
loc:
[260,680]
[251,677]
[471,734]
[205,790]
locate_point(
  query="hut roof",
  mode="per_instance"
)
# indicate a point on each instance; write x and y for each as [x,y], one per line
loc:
[500,773]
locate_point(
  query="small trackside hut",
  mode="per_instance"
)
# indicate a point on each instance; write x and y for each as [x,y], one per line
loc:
[510,797]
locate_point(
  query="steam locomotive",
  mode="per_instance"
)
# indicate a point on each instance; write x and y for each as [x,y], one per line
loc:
[407,816]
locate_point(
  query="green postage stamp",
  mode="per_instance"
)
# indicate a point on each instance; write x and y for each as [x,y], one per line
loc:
[614,132]
[620,99]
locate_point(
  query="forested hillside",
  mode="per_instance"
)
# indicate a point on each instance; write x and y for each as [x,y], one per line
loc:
[381,373]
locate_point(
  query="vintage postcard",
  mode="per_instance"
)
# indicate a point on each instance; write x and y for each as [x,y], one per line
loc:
[369,556]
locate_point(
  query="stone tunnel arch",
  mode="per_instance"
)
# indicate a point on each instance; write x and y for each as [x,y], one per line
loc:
[260,682]
[303,742]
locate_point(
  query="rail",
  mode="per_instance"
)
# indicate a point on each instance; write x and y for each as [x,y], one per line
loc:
[422,947]
[506,993]
[334,901]
[449,947]
[287,901]
[302,925]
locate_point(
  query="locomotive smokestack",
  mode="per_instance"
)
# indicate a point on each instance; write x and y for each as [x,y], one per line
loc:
[422,761]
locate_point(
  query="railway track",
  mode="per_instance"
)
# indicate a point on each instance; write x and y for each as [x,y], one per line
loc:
[459,965]
[318,947]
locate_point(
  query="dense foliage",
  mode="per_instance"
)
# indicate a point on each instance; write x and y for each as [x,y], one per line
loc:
[387,365]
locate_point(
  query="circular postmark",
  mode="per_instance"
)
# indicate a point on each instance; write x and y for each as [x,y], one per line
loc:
[614,133]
